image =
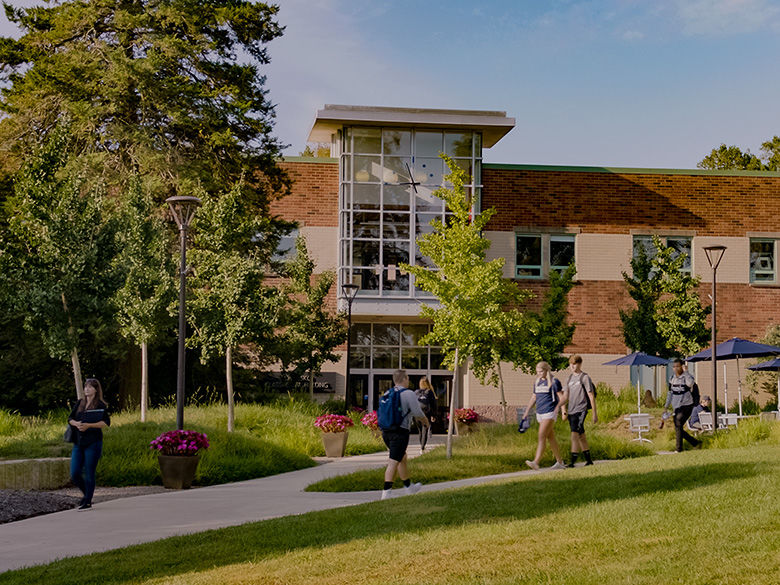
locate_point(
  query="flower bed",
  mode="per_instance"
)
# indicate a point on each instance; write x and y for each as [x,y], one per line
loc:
[466,415]
[370,420]
[333,423]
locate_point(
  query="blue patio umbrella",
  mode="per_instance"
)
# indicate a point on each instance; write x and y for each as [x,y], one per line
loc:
[638,358]
[770,366]
[735,348]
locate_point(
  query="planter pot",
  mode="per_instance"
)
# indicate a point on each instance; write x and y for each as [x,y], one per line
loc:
[335,444]
[178,471]
[465,429]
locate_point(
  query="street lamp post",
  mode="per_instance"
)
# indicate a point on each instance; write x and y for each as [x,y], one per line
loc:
[714,256]
[350,292]
[183,209]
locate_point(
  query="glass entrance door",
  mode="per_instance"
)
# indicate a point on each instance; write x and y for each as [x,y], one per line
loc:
[382,383]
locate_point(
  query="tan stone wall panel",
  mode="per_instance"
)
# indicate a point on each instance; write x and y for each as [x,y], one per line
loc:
[735,264]
[603,256]
[502,245]
[323,246]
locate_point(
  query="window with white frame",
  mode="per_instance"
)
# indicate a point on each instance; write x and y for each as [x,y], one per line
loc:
[763,260]
[537,254]
[679,244]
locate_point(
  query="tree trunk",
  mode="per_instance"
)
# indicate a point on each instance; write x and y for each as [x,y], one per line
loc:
[231,405]
[501,390]
[74,354]
[311,384]
[451,424]
[144,379]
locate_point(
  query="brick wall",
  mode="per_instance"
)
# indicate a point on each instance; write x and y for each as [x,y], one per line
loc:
[603,202]
[314,199]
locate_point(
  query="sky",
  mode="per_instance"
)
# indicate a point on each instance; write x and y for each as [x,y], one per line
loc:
[616,83]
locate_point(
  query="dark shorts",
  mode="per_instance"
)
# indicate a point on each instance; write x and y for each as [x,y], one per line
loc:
[397,442]
[577,422]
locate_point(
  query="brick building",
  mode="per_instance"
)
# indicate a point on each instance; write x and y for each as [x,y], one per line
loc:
[362,210]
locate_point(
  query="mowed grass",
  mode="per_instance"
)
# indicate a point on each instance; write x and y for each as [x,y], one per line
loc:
[708,516]
[268,439]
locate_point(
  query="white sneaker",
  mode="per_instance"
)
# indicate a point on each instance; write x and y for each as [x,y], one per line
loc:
[387,494]
[558,465]
[413,488]
[532,464]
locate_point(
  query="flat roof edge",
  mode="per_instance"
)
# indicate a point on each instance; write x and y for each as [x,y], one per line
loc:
[309,159]
[631,170]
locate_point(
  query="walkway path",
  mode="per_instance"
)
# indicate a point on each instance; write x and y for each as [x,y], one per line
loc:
[127,521]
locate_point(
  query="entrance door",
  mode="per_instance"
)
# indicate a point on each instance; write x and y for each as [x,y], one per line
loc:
[359,384]
[382,383]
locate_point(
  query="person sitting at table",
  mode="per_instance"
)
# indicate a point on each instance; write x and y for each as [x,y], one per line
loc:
[703,406]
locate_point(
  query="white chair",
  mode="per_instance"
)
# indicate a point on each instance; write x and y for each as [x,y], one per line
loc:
[726,421]
[639,423]
[705,420]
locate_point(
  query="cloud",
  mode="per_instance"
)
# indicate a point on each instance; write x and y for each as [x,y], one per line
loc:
[726,17]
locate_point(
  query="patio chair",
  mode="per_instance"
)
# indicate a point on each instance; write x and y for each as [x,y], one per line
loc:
[726,421]
[639,423]
[705,420]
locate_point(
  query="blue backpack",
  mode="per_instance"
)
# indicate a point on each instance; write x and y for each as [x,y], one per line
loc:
[390,414]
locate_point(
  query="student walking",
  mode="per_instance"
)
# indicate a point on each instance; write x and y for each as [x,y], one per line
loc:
[397,407]
[88,418]
[680,398]
[427,399]
[546,395]
[579,396]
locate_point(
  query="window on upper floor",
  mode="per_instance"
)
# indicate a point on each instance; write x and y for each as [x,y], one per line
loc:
[537,254]
[286,248]
[763,260]
[680,245]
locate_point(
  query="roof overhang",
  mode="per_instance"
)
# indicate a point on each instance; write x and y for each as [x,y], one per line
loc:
[492,125]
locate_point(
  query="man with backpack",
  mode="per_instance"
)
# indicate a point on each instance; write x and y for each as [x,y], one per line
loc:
[579,397]
[681,399]
[397,407]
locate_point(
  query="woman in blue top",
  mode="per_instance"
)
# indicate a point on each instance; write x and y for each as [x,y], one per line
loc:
[88,418]
[546,396]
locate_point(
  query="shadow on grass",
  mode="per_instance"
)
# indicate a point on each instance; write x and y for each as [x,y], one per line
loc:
[529,498]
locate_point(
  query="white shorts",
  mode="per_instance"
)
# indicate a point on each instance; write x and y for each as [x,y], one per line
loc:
[545,416]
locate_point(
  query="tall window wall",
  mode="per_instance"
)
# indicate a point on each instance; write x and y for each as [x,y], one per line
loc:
[388,177]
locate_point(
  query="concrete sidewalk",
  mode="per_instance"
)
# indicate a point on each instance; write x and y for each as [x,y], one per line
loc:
[127,521]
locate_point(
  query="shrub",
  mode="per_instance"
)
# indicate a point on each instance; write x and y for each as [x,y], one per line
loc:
[10,423]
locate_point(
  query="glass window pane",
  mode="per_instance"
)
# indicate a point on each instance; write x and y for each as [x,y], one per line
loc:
[465,164]
[345,225]
[423,223]
[386,358]
[437,356]
[346,198]
[427,143]
[360,357]
[414,358]
[395,226]
[477,145]
[645,242]
[561,251]
[344,253]
[412,334]
[428,171]
[361,334]
[762,260]
[347,140]
[367,140]
[367,169]
[365,225]
[396,197]
[681,246]
[421,260]
[396,169]
[458,144]
[425,200]
[367,279]
[366,196]
[387,334]
[529,256]
[394,282]
[365,253]
[397,142]
[395,253]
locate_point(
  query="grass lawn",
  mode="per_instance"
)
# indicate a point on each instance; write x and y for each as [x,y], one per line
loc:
[267,440]
[710,516]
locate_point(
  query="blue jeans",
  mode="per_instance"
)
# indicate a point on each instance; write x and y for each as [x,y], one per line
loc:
[85,459]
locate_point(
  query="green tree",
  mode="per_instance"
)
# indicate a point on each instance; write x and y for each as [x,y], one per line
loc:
[669,319]
[766,382]
[309,333]
[230,303]
[146,265]
[171,89]
[553,330]
[732,157]
[57,251]
[477,304]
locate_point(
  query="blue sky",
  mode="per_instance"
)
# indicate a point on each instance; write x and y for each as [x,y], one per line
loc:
[651,83]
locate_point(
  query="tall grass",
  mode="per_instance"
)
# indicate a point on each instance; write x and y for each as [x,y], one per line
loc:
[268,439]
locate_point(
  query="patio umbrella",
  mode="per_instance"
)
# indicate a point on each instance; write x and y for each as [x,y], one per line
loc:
[638,358]
[736,348]
[770,366]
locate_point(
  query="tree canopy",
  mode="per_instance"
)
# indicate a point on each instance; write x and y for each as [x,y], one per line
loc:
[733,158]
[170,89]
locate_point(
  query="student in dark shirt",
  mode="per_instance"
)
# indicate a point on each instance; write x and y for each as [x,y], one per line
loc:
[88,418]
